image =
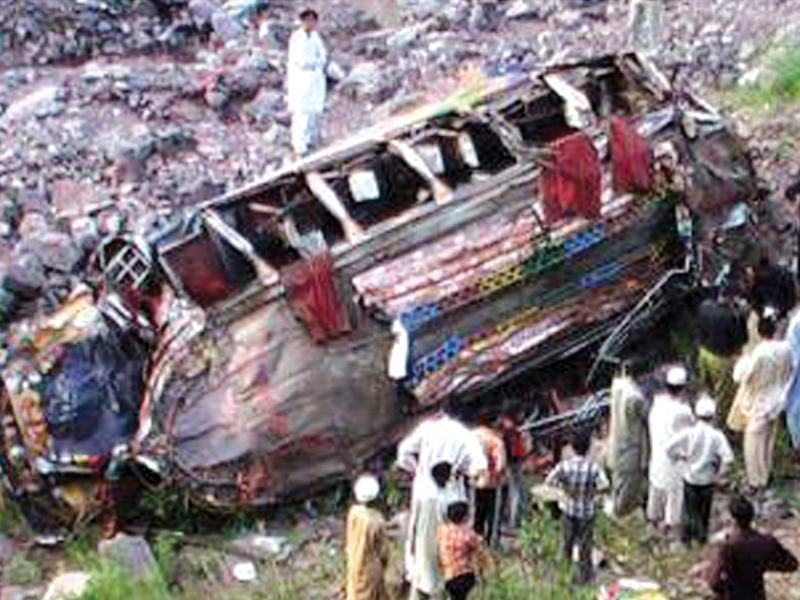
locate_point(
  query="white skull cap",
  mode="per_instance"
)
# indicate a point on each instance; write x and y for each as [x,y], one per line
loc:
[366,488]
[677,377]
[705,407]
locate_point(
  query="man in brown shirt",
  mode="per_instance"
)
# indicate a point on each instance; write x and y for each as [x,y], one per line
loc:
[738,571]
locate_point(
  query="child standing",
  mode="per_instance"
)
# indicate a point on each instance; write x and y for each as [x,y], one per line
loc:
[460,549]
[581,479]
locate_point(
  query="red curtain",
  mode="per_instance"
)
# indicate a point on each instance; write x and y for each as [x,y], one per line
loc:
[312,294]
[630,156]
[572,183]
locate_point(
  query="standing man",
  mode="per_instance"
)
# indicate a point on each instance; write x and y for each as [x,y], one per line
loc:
[738,571]
[627,445]
[722,329]
[366,544]
[487,489]
[306,83]
[763,376]
[669,416]
[582,480]
[516,451]
[440,451]
[707,454]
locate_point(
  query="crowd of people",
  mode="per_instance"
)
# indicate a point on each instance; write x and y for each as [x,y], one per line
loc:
[669,447]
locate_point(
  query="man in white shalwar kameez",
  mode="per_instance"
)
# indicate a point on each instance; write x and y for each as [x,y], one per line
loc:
[306,84]
[764,377]
[627,445]
[669,415]
[437,441]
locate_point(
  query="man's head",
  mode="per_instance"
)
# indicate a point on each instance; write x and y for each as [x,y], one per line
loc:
[441,473]
[742,512]
[366,489]
[768,323]
[309,19]
[705,408]
[581,443]
[457,512]
[677,379]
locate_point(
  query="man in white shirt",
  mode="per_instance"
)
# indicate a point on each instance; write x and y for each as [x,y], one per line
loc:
[438,441]
[306,84]
[707,454]
[764,376]
[669,415]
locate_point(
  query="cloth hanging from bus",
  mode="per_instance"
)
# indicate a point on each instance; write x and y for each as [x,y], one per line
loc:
[571,182]
[312,294]
[630,157]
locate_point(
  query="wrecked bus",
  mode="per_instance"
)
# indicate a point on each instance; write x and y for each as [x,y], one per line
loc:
[294,327]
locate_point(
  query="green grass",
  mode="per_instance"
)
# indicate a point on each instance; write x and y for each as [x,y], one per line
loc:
[539,570]
[778,85]
[22,570]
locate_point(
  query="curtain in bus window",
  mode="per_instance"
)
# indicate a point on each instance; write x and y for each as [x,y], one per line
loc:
[571,182]
[312,294]
[630,157]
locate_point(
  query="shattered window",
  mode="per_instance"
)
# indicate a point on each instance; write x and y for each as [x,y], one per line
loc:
[208,269]
[281,217]
[381,186]
[258,220]
[458,155]
[540,120]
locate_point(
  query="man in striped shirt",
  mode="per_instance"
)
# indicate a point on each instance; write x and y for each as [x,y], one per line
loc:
[582,480]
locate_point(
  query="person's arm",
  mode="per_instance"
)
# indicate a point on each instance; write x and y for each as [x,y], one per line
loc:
[725,454]
[741,369]
[477,464]
[483,560]
[676,448]
[717,575]
[409,449]
[554,477]
[781,560]
[602,483]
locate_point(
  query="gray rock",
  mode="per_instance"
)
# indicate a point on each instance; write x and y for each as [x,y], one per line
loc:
[201,190]
[66,586]
[133,553]
[20,592]
[775,509]
[267,105]
[27,270]
[370,81]
[484,16]
[261,547]
[275,33]
[45,102]
[402,39]
[523,10]
[54,250]
[373,44]
[6,550]
[202,11]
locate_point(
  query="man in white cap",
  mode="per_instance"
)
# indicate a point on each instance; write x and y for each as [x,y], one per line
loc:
[707,454]
[367,545]
[669,415]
